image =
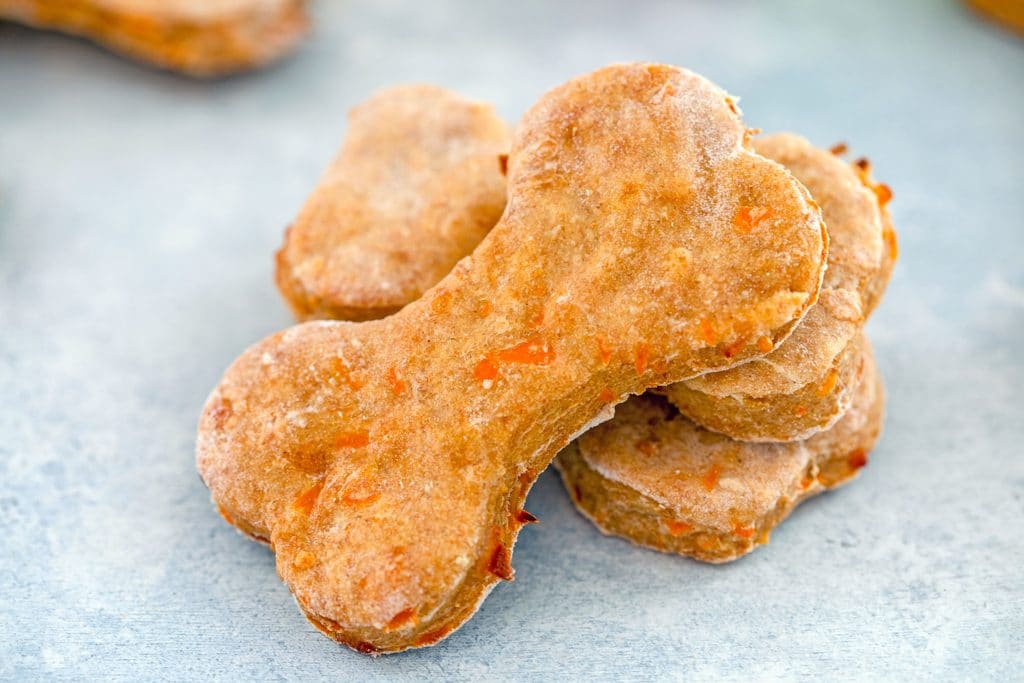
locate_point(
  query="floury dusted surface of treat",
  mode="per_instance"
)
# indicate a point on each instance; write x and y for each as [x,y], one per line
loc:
[387,462]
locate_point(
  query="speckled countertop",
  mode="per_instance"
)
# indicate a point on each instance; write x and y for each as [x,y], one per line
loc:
[138,215]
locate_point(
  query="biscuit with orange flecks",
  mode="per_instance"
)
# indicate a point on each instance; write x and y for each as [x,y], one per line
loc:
[807,384]
[418,183]
[387,461]
[657,479]
[197,37]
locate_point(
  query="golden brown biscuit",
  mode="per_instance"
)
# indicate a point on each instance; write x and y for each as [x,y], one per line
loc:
[418,183]
[197,37]
[807,384]
[387,461]
[657,479]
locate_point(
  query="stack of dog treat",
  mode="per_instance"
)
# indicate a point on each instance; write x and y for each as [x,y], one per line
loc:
[631,236]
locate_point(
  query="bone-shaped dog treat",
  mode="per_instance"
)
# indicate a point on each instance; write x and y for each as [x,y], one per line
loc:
[198,37]
[416,186]
[387,462]
[657,479]
[807,384]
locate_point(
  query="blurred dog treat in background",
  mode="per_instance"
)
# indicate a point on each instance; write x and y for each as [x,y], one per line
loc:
[197,37]
[1009,13]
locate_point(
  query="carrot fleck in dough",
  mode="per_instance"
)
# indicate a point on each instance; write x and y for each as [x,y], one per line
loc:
[857,458]
[743,531]
[533,351]
[710,478]
[485,371]
[403,619]
[829,384]
[707,332]
[341,370]
[397,384]
[524,517]
[890,240]
[732,349]
[305,502]
[677,528]
[884,193]
[356,439]
[750,217]
[500,562]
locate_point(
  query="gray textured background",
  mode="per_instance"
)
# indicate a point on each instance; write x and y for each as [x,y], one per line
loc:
[138,215]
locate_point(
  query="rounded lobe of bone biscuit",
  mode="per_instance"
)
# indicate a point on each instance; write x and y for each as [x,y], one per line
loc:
[197,37]
[810,408]
[417,184]
[654,477]
[393,513]
[793,391]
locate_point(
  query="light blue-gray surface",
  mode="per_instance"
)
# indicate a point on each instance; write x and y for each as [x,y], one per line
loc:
[138,215]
